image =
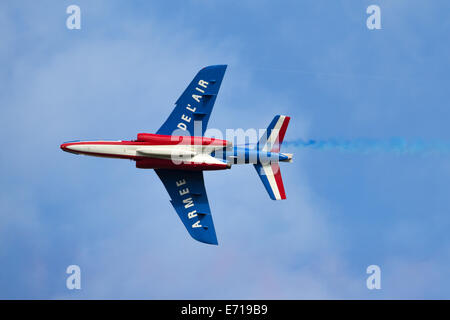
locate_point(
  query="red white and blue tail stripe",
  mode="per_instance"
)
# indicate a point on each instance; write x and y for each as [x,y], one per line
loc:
[274,136]
[271,178]
[270,173]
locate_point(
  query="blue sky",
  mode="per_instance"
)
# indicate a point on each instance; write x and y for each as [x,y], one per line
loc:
[313,60]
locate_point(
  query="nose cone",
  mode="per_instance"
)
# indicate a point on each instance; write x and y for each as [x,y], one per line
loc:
[66,147]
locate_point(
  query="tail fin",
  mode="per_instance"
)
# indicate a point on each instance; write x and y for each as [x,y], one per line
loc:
[273,138]
[270,173]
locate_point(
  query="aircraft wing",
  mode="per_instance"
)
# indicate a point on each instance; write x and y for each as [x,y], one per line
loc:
[195,104]
[188,197]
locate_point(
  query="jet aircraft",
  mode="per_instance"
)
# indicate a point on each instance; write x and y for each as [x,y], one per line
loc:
[179,157]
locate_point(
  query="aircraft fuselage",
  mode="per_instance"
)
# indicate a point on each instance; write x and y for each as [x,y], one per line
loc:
[152,151]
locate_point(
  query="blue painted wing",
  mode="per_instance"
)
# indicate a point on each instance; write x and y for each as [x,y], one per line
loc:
[188,197]
[195,104]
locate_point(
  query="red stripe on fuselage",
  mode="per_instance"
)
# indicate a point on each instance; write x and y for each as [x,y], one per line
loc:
[153,163]
[158,139]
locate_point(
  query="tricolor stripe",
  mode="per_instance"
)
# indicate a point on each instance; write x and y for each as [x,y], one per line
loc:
[269,173]
[271,177]
[275,133]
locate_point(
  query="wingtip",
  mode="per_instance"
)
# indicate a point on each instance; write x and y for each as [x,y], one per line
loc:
[204,238]
[216,66]
[211,242]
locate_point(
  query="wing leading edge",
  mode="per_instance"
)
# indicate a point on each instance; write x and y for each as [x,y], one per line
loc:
[188,197]
[195,104]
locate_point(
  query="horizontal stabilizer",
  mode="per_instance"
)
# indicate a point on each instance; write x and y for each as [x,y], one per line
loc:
[270,176]
[273,138]
[269,172]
